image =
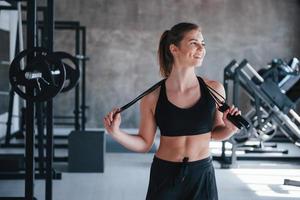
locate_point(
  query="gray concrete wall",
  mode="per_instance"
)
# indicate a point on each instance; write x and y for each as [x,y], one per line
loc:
[122,40]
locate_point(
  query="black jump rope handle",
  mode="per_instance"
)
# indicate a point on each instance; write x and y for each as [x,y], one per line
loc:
[238,120]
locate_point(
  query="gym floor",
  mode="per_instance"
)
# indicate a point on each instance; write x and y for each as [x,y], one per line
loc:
[126,177]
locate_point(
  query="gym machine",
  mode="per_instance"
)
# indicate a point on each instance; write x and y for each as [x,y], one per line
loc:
[72,71]
[274,96]
[40,79]
[81,58]
[79,61]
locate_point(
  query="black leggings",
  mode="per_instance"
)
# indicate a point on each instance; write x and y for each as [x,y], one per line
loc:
[182,180]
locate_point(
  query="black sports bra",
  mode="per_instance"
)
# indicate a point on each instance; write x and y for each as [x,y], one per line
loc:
[175,121]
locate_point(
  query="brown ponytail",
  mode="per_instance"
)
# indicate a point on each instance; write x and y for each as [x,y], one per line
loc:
[173,36]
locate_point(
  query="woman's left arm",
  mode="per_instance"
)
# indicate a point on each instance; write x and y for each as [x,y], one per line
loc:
[222,128]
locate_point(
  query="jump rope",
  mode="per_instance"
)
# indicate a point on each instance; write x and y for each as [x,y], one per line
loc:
[238,120]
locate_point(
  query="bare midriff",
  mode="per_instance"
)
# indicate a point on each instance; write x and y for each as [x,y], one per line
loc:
[175,148]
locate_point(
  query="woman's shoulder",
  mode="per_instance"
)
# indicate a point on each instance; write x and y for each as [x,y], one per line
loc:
[150,99]
[152,96]
[216,85]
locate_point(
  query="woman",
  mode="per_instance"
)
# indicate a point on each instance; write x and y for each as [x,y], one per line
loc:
[187,117]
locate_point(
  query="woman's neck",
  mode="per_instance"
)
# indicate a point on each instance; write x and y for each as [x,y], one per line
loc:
[181,79]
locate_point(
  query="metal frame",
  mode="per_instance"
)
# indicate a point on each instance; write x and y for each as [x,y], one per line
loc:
[80,49]
[46,172]
[31,11]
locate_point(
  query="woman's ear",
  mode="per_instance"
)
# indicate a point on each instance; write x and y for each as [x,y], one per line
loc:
[173,49]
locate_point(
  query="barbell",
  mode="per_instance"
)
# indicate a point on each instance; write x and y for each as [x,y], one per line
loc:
[47,74]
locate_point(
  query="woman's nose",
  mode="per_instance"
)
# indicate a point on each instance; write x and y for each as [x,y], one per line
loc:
[201,47]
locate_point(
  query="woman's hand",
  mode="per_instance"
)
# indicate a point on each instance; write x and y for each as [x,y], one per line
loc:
[112,121]
[232,111]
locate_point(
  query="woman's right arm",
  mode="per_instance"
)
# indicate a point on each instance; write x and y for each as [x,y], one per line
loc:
[141,142]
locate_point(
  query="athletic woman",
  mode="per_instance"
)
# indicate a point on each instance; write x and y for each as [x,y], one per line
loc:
[188,119]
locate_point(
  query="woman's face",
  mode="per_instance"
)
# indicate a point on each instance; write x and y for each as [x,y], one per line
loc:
[190,51]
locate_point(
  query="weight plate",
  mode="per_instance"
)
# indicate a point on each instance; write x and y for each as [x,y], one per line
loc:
[72,70]
[36,81]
